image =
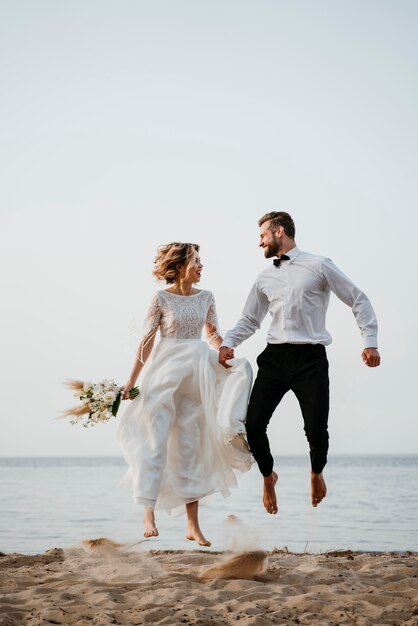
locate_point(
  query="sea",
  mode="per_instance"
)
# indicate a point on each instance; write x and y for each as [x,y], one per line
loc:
[371,505]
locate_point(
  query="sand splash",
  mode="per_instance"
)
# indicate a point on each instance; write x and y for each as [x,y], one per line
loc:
[107,560]
[111,558]
[105,545]
[244,566]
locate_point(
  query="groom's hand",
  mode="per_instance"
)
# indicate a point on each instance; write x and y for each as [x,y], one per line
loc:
[371,357]
[224,355]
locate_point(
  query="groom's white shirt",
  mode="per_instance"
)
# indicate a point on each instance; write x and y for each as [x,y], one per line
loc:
[296,295]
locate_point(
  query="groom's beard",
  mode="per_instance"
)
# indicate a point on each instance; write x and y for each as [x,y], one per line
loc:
[272,249]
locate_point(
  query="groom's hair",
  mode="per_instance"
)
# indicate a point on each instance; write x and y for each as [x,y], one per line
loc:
[279,218]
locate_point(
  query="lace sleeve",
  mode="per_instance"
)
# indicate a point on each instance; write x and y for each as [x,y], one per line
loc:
[212,324]
[151,324]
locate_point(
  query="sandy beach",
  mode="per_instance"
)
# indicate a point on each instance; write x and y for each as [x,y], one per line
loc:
[99,582]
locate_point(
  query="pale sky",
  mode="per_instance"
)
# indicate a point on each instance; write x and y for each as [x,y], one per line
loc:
[128,124]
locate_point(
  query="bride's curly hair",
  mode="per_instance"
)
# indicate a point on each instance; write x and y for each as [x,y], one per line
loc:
[169,257]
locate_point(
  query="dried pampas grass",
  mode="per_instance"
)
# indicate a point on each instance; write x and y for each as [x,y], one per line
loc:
[77,411]
[75,385]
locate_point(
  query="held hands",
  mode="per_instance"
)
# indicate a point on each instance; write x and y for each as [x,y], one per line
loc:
[371,357]
[225,354]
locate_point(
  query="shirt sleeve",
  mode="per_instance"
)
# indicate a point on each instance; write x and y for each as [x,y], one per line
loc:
[212,323]
[255,310]
[351,295]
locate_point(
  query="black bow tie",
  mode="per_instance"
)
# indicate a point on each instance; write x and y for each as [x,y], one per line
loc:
[284,257]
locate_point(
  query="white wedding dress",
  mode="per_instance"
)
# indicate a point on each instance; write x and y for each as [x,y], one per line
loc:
[183,436]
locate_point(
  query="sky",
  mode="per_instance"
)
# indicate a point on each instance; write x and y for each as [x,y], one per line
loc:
[128,124]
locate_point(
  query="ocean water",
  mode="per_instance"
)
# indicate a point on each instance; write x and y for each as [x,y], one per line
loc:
[372,504]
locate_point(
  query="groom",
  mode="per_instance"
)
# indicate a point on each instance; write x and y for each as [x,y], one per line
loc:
[295,290]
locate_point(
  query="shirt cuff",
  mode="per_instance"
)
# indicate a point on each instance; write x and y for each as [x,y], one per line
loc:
[370,342]
[228,341]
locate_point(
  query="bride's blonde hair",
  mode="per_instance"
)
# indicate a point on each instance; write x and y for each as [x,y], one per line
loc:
[169,257]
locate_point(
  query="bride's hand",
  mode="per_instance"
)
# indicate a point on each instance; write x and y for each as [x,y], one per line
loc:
[225,354]
[126,389]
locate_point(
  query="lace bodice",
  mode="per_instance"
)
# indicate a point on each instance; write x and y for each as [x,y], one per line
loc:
[182,317]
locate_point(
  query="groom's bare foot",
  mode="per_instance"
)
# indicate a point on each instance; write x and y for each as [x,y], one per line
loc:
[150,529]
[318,488]
[269,494]
[195,534]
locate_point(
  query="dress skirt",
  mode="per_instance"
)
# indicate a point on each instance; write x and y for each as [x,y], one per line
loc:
[183,436]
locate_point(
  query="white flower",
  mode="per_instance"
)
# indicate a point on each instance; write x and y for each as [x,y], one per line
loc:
[108,383]
[105,415]
[87,386]
[109,398]
[95,417]
[97,392]
[78,393]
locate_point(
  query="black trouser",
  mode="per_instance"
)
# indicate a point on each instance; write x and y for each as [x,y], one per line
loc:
[303,369]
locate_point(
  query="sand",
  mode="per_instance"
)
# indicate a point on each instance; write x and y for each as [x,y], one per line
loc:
[104,583]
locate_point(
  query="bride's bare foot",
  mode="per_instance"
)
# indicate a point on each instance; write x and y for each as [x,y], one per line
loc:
[318,488]
[195,534]
[150,529]
[269,494]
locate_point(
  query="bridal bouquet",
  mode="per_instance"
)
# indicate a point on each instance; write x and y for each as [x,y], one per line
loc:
[99,400]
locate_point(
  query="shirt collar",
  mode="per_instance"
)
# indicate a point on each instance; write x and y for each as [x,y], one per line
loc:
[293,253]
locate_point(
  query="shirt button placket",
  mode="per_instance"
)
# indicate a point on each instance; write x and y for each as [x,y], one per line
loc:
[286,299]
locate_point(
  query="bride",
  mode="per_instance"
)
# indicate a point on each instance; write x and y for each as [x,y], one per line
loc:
[183,436]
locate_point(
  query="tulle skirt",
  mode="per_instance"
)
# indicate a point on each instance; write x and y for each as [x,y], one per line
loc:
[183,437]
